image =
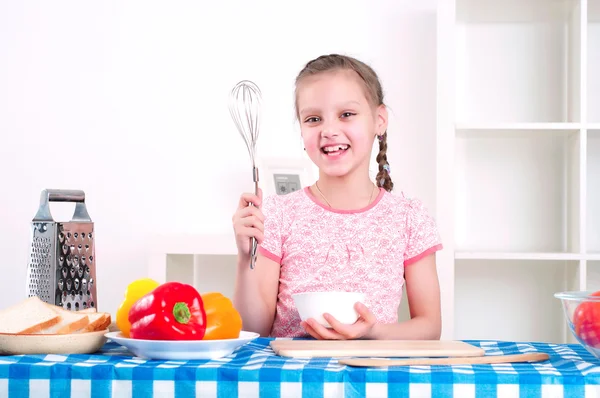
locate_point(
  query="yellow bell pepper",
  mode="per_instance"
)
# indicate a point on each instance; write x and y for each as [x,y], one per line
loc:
[135,291]
[223,321]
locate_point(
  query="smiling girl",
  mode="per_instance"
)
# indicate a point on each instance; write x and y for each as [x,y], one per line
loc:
[345,232]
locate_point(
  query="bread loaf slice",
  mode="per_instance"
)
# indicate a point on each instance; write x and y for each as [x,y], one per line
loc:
[98,321]
[34,316]
[29,316]
[81,321]
[89,310]
[70,321]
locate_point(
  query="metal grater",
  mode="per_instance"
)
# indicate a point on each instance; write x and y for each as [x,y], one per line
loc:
[62,264]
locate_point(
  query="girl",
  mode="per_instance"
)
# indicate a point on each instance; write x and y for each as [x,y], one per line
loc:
[344,232]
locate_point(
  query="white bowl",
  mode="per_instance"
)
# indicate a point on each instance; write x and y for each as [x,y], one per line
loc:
[338,304]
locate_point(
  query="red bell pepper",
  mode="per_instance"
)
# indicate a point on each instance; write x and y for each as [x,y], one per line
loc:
[172,311]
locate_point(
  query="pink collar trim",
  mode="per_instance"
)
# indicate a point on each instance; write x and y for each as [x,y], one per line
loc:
[331,209]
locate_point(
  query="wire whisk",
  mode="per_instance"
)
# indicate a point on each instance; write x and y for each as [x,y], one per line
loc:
[245,103]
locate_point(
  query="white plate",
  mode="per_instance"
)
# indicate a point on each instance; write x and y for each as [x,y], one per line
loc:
[182,349]
[65,344]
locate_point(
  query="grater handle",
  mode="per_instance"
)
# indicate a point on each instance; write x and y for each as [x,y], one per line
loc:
[62,195]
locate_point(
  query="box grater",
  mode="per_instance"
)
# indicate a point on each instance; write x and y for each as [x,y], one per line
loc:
[62,264]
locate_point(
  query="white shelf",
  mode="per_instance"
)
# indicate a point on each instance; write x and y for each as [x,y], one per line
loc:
[206,261]
[593,191]
[593,276]
[593,62]
[494,127]
[510,193]
[517,61]
[514,299]
[517,256]
[207,273]
[210,244]
[513,11]
[519,117]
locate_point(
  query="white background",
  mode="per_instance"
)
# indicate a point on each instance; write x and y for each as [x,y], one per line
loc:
[128,102]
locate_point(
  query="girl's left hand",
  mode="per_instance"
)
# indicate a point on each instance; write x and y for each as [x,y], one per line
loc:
[339,331]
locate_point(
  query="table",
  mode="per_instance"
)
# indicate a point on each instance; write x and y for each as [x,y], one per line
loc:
[254,371]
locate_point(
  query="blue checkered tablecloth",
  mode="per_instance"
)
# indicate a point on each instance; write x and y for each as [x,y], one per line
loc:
[254,371]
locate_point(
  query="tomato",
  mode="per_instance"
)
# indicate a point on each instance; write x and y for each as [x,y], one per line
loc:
[586,321]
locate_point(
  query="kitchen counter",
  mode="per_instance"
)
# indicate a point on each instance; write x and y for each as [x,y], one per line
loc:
[255,371]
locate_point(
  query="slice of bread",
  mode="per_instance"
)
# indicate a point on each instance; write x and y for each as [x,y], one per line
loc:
[34,316]
[98,321]
[29,316]
[90,310]
[70,321]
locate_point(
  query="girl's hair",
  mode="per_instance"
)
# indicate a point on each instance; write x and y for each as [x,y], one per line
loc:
[374,93]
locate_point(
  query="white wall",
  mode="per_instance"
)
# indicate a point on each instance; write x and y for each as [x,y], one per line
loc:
[128,101]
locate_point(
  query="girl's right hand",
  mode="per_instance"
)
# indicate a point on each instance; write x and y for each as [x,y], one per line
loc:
[248,222]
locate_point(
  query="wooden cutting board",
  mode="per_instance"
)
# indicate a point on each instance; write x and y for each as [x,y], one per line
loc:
[374,348]
[379,362]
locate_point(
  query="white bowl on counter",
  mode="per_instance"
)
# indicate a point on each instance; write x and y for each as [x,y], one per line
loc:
[338,304]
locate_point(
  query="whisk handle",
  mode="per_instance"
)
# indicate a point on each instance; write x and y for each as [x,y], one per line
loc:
[254,245]
[253,241]
[255,175]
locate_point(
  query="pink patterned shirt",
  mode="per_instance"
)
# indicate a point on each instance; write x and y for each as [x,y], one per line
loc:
[323,249]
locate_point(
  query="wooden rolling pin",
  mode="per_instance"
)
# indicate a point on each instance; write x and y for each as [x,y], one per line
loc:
[368,362]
